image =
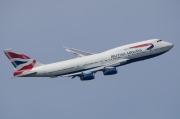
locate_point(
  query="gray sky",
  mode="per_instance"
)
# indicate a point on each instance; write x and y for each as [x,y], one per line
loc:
[38,28]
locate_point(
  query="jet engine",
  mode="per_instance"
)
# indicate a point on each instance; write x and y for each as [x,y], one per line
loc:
[110,70]
[87,76]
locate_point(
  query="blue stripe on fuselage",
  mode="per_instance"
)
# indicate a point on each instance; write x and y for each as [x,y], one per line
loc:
[144,58]
[151,47]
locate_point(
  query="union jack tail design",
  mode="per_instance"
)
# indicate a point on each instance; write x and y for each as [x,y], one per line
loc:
[20,61]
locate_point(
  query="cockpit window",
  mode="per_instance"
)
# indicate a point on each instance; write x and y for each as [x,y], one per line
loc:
[159,40]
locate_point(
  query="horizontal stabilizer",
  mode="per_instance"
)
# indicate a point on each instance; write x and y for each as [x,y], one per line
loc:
[24,74]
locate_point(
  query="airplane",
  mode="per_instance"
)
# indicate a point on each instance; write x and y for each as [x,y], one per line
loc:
[87,64]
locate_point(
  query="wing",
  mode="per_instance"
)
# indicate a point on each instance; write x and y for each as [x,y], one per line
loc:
[100,68]
[76,52]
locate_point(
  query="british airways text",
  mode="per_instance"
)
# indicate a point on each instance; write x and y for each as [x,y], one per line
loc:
[126,53]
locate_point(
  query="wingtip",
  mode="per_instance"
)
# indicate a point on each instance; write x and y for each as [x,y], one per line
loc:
[64,47]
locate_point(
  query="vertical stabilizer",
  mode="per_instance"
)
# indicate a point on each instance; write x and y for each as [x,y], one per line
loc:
[21,61]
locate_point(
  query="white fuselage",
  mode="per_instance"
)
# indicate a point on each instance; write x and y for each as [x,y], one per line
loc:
[100,59]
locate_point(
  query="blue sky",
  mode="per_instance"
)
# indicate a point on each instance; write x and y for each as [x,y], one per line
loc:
[38,28]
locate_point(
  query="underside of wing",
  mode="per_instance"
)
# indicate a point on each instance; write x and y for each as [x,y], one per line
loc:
[76,52]
[100,68]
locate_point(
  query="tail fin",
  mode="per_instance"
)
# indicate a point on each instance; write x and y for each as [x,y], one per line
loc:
[21,61]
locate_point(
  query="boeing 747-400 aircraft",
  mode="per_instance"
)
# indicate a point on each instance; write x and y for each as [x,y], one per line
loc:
[88,63]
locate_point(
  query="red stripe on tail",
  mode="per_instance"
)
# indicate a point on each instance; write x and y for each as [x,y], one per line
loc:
[25,68]
[30,66]
[18,72]
[11,55]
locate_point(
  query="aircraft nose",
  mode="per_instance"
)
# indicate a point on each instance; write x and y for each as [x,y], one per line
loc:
[170,45]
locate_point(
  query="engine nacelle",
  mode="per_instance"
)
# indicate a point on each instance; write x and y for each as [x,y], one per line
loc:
[87,76]
[110,71]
